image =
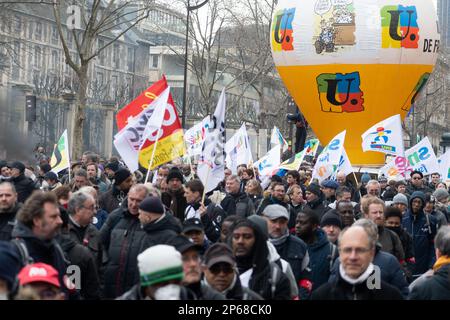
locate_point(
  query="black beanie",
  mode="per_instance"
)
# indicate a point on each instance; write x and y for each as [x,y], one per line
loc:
[314,188]
[46,168]
[175,173]
[19,166]
[121,175]
[331,219]
[152,204]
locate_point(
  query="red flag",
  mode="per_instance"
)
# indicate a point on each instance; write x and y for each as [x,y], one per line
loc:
[141,102]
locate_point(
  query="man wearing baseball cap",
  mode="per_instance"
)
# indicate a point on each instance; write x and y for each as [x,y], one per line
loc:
[194,230]
[24,185]
[329,190]
[42,279]
[219,267]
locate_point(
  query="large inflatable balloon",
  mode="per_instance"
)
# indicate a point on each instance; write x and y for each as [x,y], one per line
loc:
[349,64]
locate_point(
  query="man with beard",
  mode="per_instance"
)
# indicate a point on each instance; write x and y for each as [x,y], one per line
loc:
[8,209]
[174,198]
[373,209]
[277,196]
[256,272]
[112,199]
[38,223]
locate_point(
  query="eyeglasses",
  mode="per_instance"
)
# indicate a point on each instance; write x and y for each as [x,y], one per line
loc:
[358,251]
[225,268]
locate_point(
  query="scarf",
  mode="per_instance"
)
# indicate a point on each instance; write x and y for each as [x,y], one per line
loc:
[279,241]
[442,261]
[363,277]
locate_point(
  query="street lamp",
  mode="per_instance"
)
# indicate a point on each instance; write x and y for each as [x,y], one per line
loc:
[189,9]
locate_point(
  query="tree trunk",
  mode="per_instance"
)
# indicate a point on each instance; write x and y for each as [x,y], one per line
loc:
[79,112]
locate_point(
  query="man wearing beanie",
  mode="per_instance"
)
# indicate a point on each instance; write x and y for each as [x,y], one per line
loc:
[113,198]
[160,275]
[321,252]
[160,227]
[400,201]
[9,268]
[8,209]
[423,229]
[314,199]
[249,246]
[24,186]
[121,236]
[289,247]
[331,224]
[174,197]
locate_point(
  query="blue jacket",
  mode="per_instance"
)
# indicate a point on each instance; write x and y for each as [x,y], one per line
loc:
[422,229]
[391,271]
[320,255]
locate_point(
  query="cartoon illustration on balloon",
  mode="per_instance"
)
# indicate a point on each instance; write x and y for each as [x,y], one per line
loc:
[349,64]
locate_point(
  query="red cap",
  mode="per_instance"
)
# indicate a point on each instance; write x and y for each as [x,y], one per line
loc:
[39,272]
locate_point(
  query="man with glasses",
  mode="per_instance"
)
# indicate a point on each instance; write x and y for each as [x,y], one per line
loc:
[357,276]
[219,267]
[417,183]
[192,270]
[81,209]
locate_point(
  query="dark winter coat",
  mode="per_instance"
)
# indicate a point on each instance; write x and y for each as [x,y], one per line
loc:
[45,251]
[238,204]
[204,292]
[121,237]
[112,199]
[390,242]
[212,220]
[391,271]
[435,287]
[135,293]
[322,254]
[238,292]
[339,289]
[24,187]
[318,207]
[7,222]
[160,232]
[176,202]
[81,257]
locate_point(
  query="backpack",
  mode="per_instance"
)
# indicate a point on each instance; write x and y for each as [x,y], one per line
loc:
[275,275]
[25,255]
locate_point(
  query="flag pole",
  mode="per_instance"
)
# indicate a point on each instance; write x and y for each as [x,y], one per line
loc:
[153,155]
[356,180]
[206,183]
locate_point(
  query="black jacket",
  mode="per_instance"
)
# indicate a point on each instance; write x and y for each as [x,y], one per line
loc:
[7,222]
[112,199]
[135,293]
[160,232]
[204,292]
[88,237]
[318,207]
[24,187]
[435,287]
[238,204]
[342,290]
[176,202]
[81,257]
[121,237]
[45,251]
[212,220]
[390,242]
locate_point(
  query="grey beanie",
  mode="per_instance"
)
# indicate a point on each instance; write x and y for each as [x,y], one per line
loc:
[440,194]
[400,198]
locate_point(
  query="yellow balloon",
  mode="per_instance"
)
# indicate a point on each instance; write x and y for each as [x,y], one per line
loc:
[349,64]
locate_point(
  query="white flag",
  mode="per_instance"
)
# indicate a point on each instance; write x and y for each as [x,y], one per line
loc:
[444,165]
[398,169]
[130,139]
[211,164]
[156,120]
[385,136]
[421,157]
[195,136]
[238,150]
[268,165]
[329,158]
[277,139]
[344,165]
[60,159]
